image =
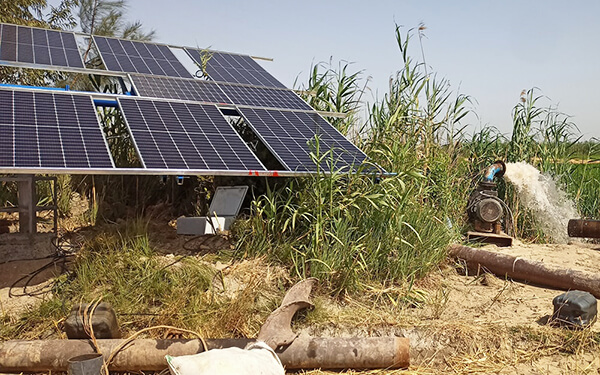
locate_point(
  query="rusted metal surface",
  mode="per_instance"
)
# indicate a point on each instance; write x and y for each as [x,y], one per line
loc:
[141,354]
[149,355]
[500,239]
[346,353]
[584,228]
[528,270]
[277,329]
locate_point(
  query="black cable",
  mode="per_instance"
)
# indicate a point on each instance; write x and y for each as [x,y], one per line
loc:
[63,251]
[62,259]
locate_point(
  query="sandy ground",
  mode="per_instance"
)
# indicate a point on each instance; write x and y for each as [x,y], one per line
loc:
[474,302]
[462,324]
[488,298]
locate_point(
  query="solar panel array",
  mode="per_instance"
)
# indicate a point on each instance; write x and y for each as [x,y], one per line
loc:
[58,130]
[234,68]
[39,46]
[179,88]
[50,130]
[177,135]
[292,136]
[121,55]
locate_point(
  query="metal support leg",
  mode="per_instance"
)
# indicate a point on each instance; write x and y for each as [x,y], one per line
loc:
[27,205]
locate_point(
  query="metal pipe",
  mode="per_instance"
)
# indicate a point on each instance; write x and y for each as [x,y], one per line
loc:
[10,85]
[160,172]
[149,354]
[533,271]
[584,228]
[97,102]
[496,169]
[62,68]
[106,103]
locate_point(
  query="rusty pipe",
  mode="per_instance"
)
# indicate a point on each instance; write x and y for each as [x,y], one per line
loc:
[584,228]
[533,271]
[149,354]
[495,170]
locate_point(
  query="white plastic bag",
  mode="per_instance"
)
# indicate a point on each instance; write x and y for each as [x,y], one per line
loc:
[257,358]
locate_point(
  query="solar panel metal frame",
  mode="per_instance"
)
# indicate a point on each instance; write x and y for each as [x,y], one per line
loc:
[49,47]
[58,169]
[209,84]
[332,130]
[187,171]
[259,75]
[167,58]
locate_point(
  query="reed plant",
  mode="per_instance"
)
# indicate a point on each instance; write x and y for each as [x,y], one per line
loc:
[352,229]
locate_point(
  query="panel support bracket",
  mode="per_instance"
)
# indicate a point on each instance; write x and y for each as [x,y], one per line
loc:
[27,201]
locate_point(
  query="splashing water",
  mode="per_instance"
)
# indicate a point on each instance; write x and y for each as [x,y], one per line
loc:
[550,206]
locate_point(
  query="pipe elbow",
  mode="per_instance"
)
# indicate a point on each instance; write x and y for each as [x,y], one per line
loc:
[495,170]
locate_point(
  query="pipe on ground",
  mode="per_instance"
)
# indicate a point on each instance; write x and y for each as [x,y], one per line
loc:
[528,270]
[584,228]
[149,354]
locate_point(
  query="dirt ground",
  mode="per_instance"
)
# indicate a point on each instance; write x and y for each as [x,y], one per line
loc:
[510,309]
[457,323]
[487,298]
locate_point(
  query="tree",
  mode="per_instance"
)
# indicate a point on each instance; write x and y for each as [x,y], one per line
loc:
[104,17]
[38,13]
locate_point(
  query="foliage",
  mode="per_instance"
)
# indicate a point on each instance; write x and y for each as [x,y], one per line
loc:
[107,18]
[33,13]
[335,90]
[121,265]
[351,229]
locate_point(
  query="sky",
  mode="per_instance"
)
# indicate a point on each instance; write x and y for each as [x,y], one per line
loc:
[489,50]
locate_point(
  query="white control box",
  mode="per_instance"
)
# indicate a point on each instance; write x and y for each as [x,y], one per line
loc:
[223,210]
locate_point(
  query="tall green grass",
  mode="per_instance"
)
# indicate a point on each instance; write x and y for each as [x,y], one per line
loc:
[351,229]
[348,230]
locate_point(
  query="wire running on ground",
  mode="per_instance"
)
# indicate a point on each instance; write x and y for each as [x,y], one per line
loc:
[64,250]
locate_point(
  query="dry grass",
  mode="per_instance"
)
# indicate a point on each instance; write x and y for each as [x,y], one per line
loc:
[236,297]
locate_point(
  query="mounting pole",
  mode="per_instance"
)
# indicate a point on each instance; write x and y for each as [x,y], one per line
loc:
[27,204]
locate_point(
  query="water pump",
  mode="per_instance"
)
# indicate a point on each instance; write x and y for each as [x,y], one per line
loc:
[486,210]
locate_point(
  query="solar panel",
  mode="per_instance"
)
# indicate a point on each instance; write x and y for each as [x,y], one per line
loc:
[178,135]
[50,130]
[290,136]
[139,57]
[39,46]
[229,67]
[264,97]
[178,88]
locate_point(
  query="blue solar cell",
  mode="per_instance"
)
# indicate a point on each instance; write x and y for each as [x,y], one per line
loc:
[50,130]
[263,97]
[24,36]
[42,55]
[40,37]
[179,88]
[9,34]
[57,56]
[6,143]
[292,136]
[8,51]
[234,68]
[139,57]
[178,135]
[39,46]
